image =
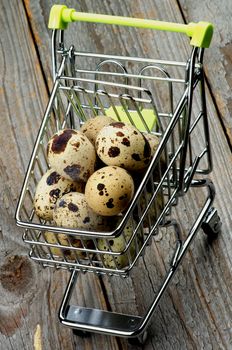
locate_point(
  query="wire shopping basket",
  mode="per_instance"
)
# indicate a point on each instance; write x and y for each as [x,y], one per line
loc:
[129,90]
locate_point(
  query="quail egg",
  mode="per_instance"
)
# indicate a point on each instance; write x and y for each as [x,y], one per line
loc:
[119,245]
[72,154]
[92,126]
[50,187]
[121,144]
[69,241]
[153,141]
[72,211]
[109,190]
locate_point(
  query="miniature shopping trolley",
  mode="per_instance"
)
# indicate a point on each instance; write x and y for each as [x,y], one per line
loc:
[129,89]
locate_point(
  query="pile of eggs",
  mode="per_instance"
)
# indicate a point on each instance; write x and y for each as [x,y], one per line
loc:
[90,179]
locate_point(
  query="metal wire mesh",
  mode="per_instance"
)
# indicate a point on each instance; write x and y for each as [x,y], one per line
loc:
[91,92]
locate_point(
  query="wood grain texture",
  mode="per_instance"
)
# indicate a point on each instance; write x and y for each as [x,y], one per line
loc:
[219,59]
[29,295]
[195,313]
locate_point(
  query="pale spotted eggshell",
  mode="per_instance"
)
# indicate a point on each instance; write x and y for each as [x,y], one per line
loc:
[109,190]
[153,141]
[72,154]
[119,245]
[92,126]
[121,144]
[69,241]
[72,211]
[50,187]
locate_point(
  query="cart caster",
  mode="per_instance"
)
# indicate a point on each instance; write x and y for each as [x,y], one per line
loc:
[140,340]
[80,333]
[212,224]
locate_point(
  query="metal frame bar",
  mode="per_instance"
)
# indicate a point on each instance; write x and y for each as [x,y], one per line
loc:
[95,320]
[111,323]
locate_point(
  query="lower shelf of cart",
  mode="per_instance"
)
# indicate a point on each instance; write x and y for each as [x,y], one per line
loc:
[100,321]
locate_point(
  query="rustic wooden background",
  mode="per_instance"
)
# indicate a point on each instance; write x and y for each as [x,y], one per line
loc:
[196,310]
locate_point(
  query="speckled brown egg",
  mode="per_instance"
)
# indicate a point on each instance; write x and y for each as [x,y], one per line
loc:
[121,144]
[109,190]
[72,154]
[92,126]
[72,211]
[68,241]
[120,245]
[50,187]
[154,141]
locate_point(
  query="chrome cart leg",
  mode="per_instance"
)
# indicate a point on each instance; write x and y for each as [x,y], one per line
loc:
[100,321]
[95,320]
[182,247]
[139,340]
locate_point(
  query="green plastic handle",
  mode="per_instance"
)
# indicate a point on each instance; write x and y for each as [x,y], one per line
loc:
[200,33]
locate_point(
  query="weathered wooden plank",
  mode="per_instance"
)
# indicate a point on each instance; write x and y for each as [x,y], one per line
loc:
[29,296]
[219,59]
[189,316]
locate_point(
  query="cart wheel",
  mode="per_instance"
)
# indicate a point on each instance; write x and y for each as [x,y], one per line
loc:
[80,333]
[212,224]
[140,340]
